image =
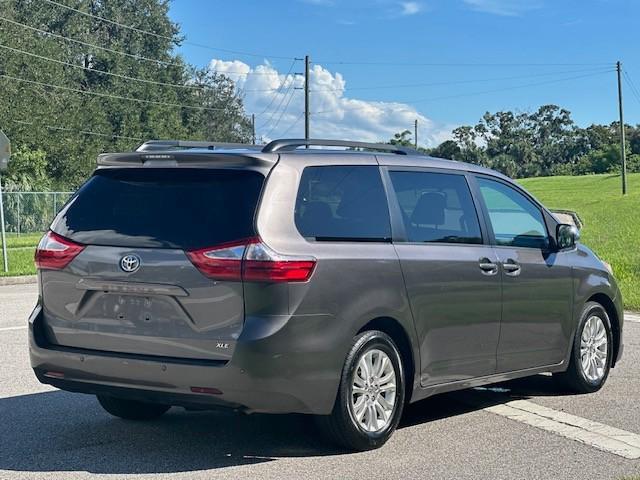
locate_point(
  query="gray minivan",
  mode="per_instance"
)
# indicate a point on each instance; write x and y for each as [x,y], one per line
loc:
[340,282]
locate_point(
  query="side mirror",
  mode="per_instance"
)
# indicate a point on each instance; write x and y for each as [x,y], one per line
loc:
[566,236]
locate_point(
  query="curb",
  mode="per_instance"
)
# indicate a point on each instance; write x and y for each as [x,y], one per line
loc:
[21,280]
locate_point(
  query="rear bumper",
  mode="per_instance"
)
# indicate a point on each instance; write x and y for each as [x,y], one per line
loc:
[281,364]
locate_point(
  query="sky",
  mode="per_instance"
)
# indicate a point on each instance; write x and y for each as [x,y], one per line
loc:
[379,65]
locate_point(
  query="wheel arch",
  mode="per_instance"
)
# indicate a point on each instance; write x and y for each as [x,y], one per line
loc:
[397,332]
[606,302]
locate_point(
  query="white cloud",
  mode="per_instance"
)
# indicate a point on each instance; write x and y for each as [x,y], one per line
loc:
[268,93]
[509,8]
[410,8]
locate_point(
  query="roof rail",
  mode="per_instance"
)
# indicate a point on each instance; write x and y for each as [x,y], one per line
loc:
[287,145]
[158,145]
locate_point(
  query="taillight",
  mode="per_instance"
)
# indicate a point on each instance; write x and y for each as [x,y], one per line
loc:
[261,264]
[222,262]
[55,252]
[252,261]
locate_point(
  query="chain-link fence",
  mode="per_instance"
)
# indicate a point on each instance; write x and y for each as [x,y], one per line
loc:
[31,212]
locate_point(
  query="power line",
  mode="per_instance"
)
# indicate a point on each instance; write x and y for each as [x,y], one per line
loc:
[102,72]
[447,97]
[290,93]
[108,95]
[86,44]
[632,86]
[284,110]
[165,37]
[435,84]
[418,64]
[282,84]
[110,74]
[478,80]
[282,100]
[516,87]
[294,123]
[161,62]
[83,132]
[119,52]
[195,86]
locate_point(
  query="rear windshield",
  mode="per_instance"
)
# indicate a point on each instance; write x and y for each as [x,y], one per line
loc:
[162,208]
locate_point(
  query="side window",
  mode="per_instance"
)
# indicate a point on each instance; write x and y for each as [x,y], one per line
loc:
[342,203]
[436,207]
[516,221]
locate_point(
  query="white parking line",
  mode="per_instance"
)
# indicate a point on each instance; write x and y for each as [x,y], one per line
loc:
[597,435]
[7,329]
[632,317]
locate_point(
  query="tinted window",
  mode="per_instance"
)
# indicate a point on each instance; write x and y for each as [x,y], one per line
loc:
[167,208]
[342,203]
[516,221]
[436,207]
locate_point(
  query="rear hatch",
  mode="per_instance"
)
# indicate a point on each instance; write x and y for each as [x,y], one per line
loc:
[127,265]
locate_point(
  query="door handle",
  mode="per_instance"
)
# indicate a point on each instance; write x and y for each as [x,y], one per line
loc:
[511,268]
[487,266]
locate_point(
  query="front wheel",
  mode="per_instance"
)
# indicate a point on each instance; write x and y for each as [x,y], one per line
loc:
[592,352]
[132,409]
[371,394]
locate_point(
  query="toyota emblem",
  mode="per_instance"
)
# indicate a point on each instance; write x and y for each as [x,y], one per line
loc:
[130,263]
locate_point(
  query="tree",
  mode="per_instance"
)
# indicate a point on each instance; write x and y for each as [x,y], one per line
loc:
[27,171]
[448,149]
[402,139]
[148,91]
[468,139]
[228,122]
[544,142]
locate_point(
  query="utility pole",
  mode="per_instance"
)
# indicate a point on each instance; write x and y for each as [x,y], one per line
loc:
[2,234]
[415,134]
[253,128]
[623,147]
[306,97]
[5,155]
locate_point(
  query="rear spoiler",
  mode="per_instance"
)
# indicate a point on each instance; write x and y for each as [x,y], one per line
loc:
[188,158]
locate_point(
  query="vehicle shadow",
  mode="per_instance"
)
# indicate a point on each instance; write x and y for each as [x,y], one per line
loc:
[57,431]
[466,401]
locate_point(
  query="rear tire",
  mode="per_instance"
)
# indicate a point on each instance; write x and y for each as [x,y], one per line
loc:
[367,410]
[591,354]
[132,409]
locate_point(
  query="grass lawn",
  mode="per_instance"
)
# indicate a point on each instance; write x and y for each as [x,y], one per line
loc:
[24,240]
[20,261]
[20,254]
[611,221]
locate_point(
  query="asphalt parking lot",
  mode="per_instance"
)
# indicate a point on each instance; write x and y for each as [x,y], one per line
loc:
[522,429]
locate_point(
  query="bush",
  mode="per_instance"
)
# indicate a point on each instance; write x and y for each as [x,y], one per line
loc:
[27,172]
[562,169]
[633,163]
